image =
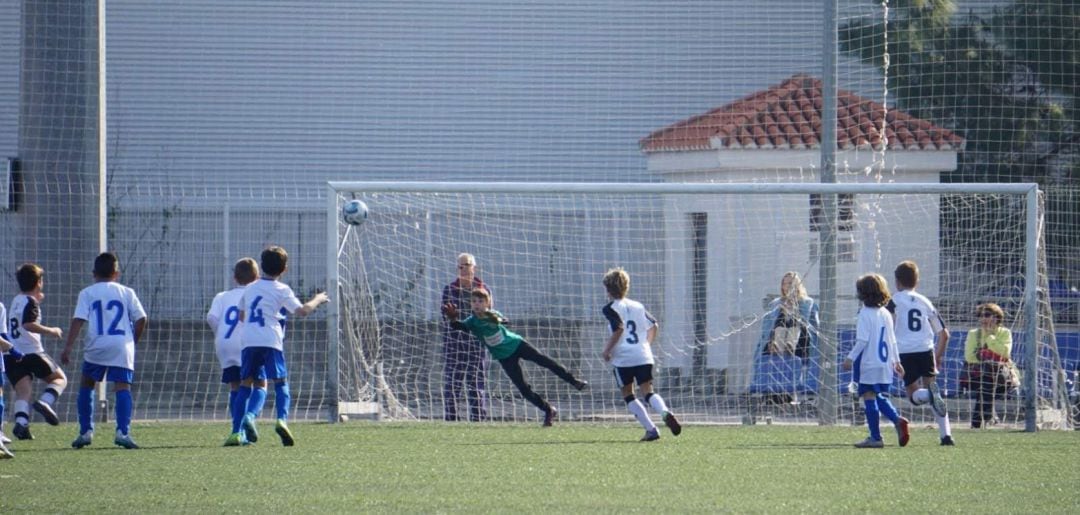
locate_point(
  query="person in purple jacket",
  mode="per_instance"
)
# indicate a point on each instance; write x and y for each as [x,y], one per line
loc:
[465,359]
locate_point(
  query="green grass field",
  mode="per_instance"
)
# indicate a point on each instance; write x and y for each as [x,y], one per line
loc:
[571,468]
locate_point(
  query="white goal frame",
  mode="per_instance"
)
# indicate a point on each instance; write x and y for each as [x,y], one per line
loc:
[1028,191]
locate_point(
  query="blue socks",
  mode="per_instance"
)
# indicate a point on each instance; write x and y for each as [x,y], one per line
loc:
[85,404]
[240,407]
[282,400]
[873,421]
[124,408]
[887,408]
[256,401]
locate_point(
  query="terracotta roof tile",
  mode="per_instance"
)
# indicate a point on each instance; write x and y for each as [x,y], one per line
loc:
[788,115]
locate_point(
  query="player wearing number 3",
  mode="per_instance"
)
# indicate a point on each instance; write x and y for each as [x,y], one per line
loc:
[115,321]
[224,320]
[874,359]
[262,308]
[629,349]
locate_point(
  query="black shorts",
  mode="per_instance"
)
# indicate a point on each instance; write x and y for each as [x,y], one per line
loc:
[34,365]
[917,365]
[628,375]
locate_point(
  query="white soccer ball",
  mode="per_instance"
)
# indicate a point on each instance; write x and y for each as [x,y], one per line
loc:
[354,212]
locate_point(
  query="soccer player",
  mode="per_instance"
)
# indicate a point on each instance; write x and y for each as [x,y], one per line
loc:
[874,359]
[921,338]
[7,349]
[115,322]
[262,310]
[509,348]
[629,350]
[24,331]
[224,320]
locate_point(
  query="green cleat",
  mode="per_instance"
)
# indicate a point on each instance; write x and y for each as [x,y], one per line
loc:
[236,440]
[283,431]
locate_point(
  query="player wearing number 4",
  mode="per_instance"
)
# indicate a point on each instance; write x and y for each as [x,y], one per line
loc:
[629,349]
[224,320]
[921,338]
[509,348]
[261,335]
[24,331]
[874,359]
[115,321]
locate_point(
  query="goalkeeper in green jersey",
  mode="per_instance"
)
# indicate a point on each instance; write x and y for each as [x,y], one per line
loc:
[509,348]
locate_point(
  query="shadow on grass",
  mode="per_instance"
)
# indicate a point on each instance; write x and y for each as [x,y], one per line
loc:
[551,442]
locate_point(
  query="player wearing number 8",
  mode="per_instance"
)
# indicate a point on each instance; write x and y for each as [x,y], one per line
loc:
[874,359]
[262,308]
[115,322]
[224,320]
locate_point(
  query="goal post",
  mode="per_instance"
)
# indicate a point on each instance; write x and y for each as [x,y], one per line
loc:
[704,258]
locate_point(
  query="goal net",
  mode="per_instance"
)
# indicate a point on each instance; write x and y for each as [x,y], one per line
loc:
[706,260]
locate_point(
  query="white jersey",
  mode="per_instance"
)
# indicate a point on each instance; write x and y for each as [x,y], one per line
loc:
[265,304]
[110,310]
[874,355]
[633,348]
[24,309]
[917,322]
[3,316]
[224,319]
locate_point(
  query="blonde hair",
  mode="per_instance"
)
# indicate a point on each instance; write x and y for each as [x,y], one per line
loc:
[796,288]
[617,282]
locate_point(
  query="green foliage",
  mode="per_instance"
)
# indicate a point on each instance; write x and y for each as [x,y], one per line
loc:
[571,468]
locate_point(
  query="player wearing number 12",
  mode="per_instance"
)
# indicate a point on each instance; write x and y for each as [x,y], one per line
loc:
[262,339]
[629,350]
[115,322]
[224,320]
[874,359]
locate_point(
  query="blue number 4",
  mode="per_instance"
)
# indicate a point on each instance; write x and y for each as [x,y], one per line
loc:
[256,312]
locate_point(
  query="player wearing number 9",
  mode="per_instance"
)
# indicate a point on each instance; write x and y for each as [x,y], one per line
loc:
[115,321]
[875,359]
[224,320]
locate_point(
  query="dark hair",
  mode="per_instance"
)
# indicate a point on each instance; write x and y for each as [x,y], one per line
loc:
[993,309]
[274,260]
[106,265]
[872,290]
[907,274]
[245,270]
[480,293]
[28,276]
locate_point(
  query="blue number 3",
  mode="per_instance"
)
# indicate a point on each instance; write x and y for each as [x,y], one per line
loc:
[114,326]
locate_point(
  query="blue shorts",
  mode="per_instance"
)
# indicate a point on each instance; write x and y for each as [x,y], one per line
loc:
[875,388]
[106,373]
[262,362]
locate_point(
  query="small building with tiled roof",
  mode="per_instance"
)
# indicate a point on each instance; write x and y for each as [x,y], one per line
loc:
[774,135]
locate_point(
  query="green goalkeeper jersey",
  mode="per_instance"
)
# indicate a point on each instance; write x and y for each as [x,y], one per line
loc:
[500,341]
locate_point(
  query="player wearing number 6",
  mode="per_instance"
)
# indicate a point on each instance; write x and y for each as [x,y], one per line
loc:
[262,308]
[115,322]
[629,349]
[874,359]
[224,320]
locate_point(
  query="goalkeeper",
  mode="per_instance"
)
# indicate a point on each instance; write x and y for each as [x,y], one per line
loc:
[509,348]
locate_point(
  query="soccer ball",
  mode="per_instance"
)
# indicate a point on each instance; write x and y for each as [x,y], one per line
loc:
[354,212]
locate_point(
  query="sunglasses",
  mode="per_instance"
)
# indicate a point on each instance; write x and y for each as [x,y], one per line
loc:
[987,315]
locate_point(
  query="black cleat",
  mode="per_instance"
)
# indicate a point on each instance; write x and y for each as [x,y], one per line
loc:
[651,435]
[46,412]
[581,385]
[22,432]
[947,441]
[672,423]
[549,417]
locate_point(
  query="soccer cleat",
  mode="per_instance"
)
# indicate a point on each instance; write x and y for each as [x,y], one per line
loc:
[282,430]
[5,453]
[581,385]
[248,426]
[672,423]
[4,439]
[22,432]
[46,412]
[651,435]
[83,440]
[870,443]
[947,441]
[125,441]
[549,416]
[236,440]
[937,403]
[902,431]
